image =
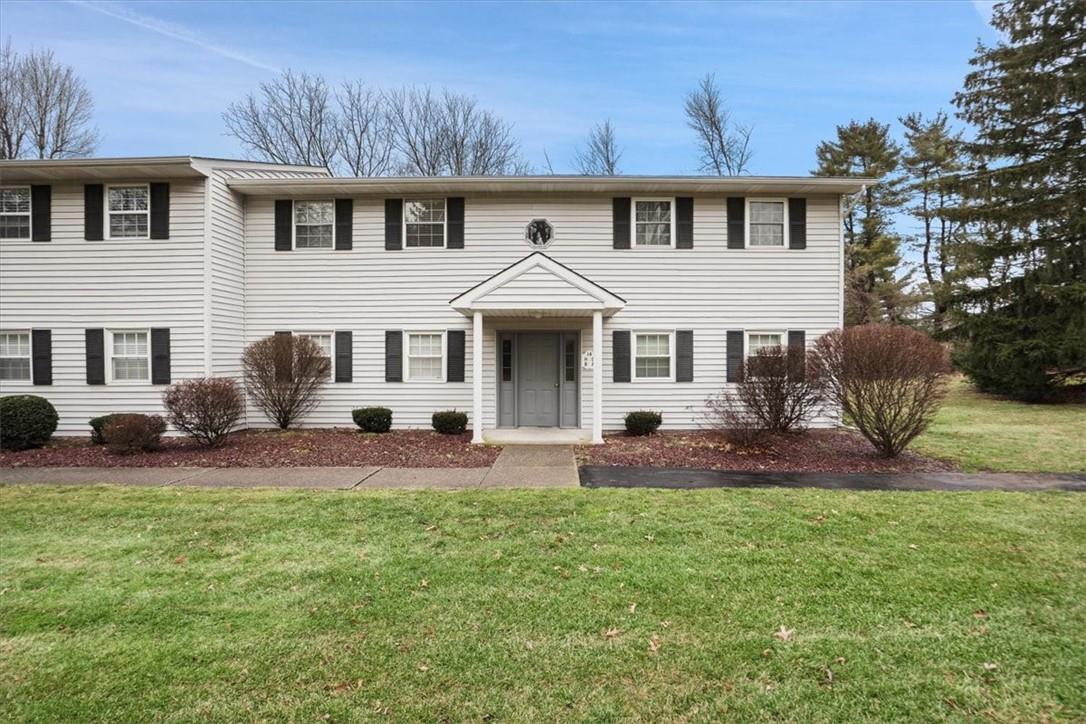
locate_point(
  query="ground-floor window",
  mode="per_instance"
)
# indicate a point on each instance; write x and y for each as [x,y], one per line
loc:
[129,356]
[425,354]
[652,355]
[324,341]
[14,356]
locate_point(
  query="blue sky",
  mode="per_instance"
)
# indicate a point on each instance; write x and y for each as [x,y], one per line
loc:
[162,73]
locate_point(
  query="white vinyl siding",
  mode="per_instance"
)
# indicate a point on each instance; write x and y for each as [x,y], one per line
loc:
[314,224]
[15,213]
[15,356]
[654,222]
[767,222]
[425,356]
[705,289]
[652,355]
[128,211]
[424,223]
[129,356]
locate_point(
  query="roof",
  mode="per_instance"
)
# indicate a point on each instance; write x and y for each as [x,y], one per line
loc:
[498,185]
[134,167]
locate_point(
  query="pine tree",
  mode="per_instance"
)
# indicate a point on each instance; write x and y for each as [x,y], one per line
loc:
[932,158]
[874,289]
[1021,306]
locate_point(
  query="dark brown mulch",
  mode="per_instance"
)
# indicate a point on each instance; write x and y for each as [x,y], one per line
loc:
[268,449]
[816,451]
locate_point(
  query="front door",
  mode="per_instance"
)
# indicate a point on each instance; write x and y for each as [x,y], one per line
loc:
[537,380]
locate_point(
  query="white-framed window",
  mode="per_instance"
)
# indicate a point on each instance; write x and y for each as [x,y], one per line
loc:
[129,355]
[653,222]
[15,355]
[763,340]
[767,223]
[324,341]
[128,211]
[314,224]
[426,356]
[653,352]
[424,223]
[15,213]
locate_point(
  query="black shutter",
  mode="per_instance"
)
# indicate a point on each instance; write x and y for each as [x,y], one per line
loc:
[393,227]
[454,220]
[736,226]
[284,220]
[344,226]
[160,211]
[455,357]
[160,356]
[735,356]
[797,353]
[96,356]
[684,355]
[620,222]
[41,210]
[684,223]
[93,208]
[620,356]
[394,356]
[797,223]
[284,373]
[344,357]
[41,347]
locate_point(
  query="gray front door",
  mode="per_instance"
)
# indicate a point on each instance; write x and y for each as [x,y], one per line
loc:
[537,380]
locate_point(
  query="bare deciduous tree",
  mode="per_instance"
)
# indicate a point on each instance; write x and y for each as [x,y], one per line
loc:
[724,144]
[284,374]
[291,119]
[45,109]
[601,154]
[365,134]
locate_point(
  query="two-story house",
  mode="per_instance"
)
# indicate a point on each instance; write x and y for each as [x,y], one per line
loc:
[552,302]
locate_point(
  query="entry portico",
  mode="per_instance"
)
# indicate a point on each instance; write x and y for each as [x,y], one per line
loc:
[538,371]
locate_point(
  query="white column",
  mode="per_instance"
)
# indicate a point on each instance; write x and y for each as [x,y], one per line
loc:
[597,378]
[477,377]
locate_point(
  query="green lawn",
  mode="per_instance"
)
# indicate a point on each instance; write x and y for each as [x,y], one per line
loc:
[128,604]
[978,432]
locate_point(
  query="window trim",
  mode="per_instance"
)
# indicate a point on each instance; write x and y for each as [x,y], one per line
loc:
[784,231]
[30,357]
[107,233]
[633,223]
[294,225]
[29,213]
[109,356]
[444,224]
[442,333]
[634,377]
[331,345]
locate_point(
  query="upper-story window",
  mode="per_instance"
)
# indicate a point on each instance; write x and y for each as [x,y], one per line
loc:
[14,356]
[313,224]
[15,213]
[424,222]
[767,222]
[129,211]
[653,222]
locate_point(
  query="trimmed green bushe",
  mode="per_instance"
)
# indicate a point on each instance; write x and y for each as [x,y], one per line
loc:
[26,421]
[643,422]
[450,422]
[372,419]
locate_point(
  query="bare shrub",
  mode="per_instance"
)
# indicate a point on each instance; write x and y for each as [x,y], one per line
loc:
[205,409]
[128,434]
[775,393]
[890,380]
[284,375]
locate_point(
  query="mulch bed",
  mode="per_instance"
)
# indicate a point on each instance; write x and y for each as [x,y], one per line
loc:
[260,449]
[816,451]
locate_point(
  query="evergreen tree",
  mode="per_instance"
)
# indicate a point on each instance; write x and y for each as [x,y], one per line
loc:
[1021,306]
[874,290]
[932,158]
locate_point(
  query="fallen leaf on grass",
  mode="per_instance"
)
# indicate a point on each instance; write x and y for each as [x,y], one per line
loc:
[633,607]
[989,666]
[654,644]
[980,613]
[785,634]
[611,633]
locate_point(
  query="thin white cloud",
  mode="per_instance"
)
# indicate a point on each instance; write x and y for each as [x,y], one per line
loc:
[984,9]
[171,30]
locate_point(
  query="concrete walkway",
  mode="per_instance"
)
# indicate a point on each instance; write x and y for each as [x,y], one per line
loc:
[602,476]
[527,466]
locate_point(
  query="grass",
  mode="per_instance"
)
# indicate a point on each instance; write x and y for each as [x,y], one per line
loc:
[130,604]
[979,432]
